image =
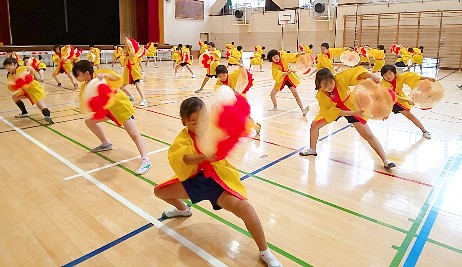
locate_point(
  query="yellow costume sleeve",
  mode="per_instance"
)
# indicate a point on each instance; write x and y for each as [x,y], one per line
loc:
[183,145]
[336,52]
[289,57]
[112,84]
[56,59]
[277,73]
[327,109]
[411,79]
[349,77]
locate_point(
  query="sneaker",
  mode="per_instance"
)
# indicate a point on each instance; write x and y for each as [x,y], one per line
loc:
[269,258]
[459,86]
[131,98]
[102,148]
[174,213]
[388,165]
[143,102]
[156,66]
[305,110]
[59,85]
[273,109]
[427,135]
[49,120]
[258,128]
[308,152]
[193,76]
[22,115]
[199,90]
[144,167]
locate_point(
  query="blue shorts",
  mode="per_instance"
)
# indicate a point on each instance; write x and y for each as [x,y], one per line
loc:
[201,188]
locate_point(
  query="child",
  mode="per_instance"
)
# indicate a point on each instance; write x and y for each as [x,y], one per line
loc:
[38,66]
[230,80]
[334,102]
[326,57]
[203,46]
[391,79]
[216,54]
[121,112]
[235,57]
[404,57]
[117,55]
[417,58]
[284,77]
[307,49]
[257,59]
[151,50]
[185,61]
[132,73]
[94,56]
[29,89]
[378,55]
[201,178]
[63,65]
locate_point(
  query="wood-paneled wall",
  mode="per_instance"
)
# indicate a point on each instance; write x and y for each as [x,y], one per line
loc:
[440,32]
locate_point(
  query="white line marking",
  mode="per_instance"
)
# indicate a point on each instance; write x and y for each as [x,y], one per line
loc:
[114,164]
[185,242]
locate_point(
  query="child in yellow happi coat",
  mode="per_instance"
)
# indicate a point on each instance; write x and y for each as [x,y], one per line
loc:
[185,61]
[334,102]
[403,57]
[63,65]
[118,55]
[378,54]
[417,58]
[151,53]
[283,76]
[23,86]
[257,59]
[132,73]
[235,57]
[38,66]
[223,78]
[203,46]
[216,55]
[396,81]
[121,112]
[198,178]
[326,57]
[94,56]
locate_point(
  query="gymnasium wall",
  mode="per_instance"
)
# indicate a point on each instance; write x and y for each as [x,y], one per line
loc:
[184,31]
[264,30]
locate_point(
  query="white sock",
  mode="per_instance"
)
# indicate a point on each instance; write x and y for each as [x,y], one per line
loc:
[269,258]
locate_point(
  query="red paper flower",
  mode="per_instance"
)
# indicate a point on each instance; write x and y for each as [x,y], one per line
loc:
[206,60]
[19,83]
[98,102]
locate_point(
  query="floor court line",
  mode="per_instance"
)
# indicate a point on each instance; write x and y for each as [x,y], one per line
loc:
[219,218]
[115,164]
[185,242]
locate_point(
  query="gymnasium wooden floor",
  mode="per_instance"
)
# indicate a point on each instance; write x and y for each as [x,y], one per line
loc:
[63,205]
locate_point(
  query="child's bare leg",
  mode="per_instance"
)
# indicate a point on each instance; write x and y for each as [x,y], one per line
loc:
[93,125]
[172,194]
[130,127]
[297,97]
[55,76]
[273,97]
[126,91]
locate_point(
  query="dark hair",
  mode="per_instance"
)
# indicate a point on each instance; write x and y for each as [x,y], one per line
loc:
[188,46]
[92,45]
[40,57]
[57,46]
[263,48]
[189,106]
[180,45]
[326,45]
[221,69]
[10,61]
[381,47]
[410,49]
[156,45]
[206,42]
[239,48]
[271,54]
[82,66]
[322,75]
[212,44]
[387,68]
[232,43]
[310,46]
[25,58]
[116,45]
[421,48]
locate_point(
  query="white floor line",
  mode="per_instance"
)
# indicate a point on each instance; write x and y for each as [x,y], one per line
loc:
[282,113]
[185,242]
[114,164]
